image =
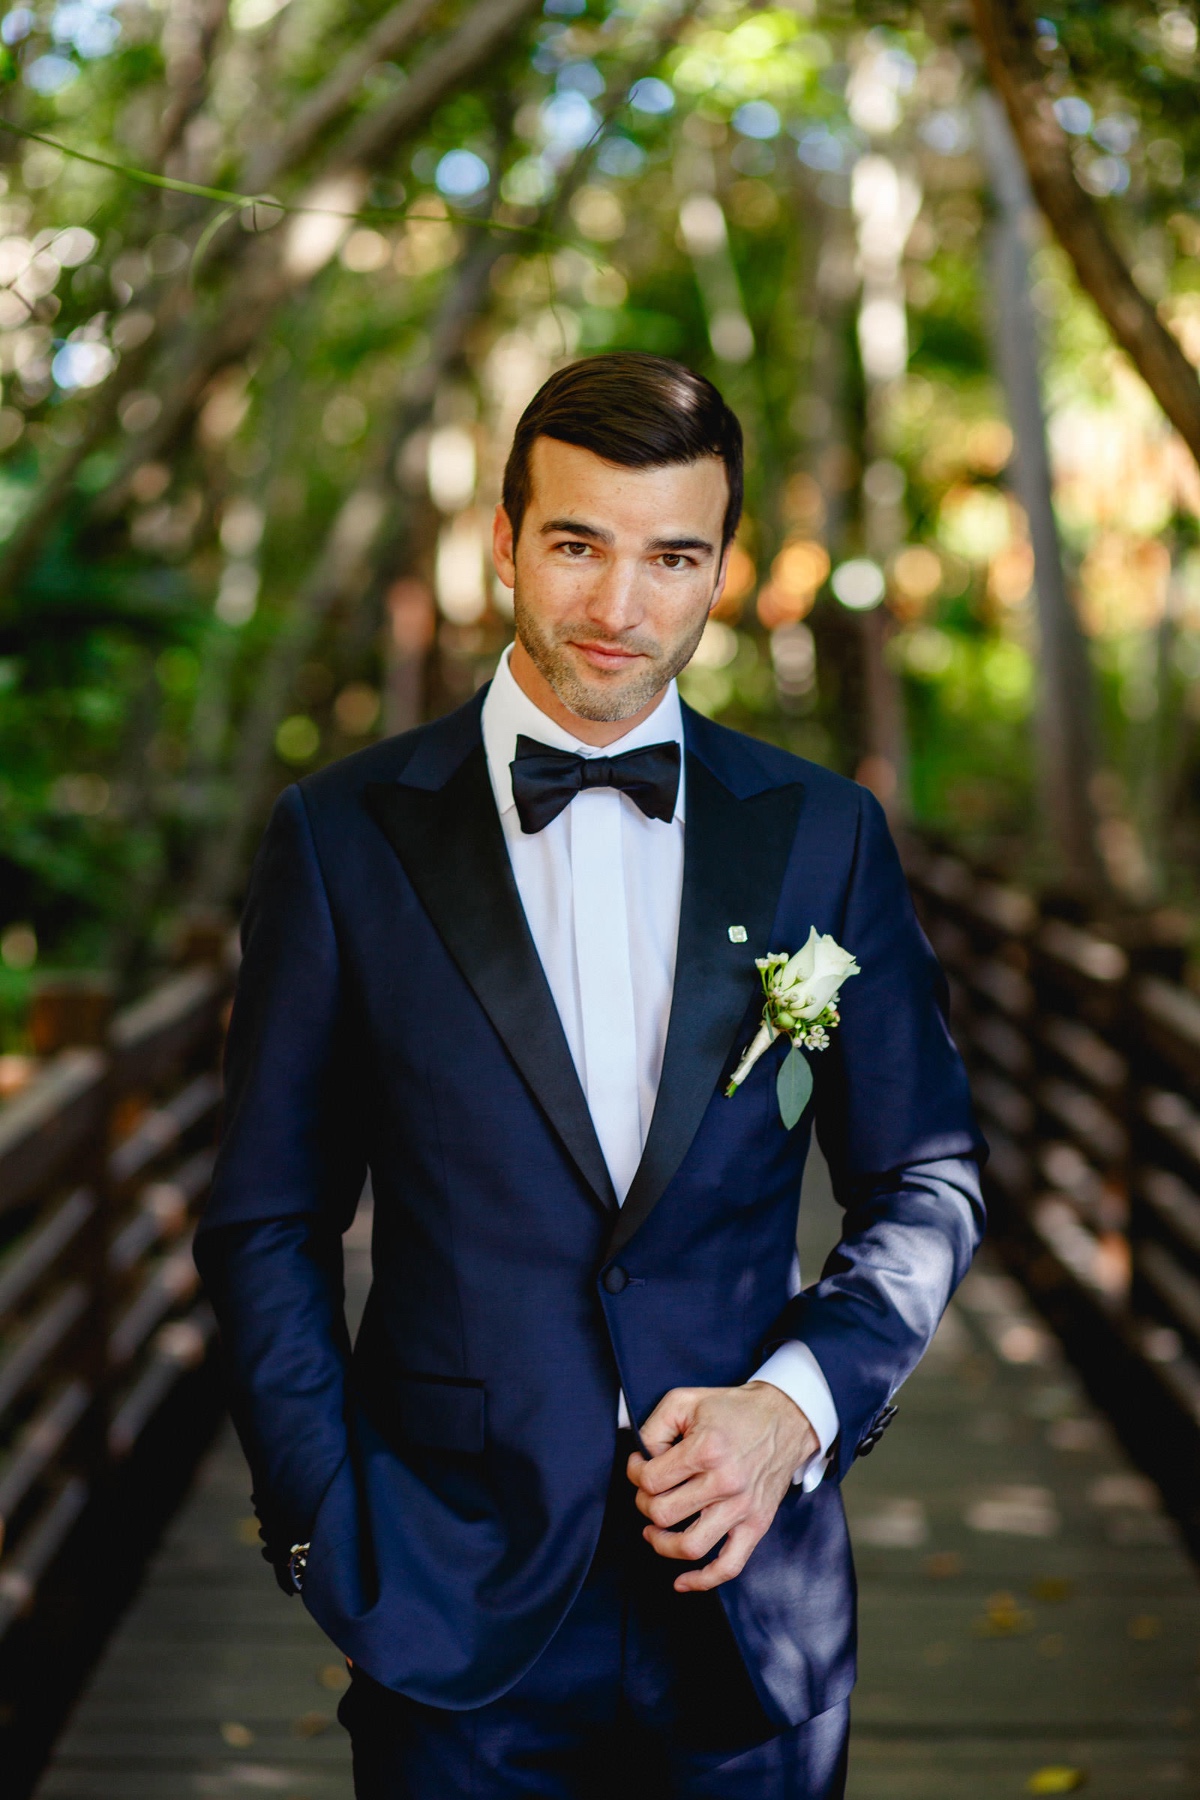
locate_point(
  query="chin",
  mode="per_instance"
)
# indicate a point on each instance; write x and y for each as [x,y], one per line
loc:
[603,708]
[605,702]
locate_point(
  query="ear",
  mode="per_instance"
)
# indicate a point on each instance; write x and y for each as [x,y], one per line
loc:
[722,574]
[504,549]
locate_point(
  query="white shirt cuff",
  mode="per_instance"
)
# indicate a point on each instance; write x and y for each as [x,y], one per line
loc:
[795,1371]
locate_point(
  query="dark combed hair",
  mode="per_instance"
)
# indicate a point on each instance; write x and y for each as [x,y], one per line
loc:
[642,412]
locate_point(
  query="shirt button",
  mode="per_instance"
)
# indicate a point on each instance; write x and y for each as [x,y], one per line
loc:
[615,1279]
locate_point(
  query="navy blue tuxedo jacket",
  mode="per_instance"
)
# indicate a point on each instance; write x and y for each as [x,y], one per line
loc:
[451,1468]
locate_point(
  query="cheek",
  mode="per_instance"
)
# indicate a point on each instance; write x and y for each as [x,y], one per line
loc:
[553,588]
[677,612]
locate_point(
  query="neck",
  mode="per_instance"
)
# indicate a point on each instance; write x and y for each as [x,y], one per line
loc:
[598,732]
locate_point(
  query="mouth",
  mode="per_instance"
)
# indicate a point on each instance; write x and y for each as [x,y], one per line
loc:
[607,658]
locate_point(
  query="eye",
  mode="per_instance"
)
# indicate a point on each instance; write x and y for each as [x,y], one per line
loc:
[675,559]
[575,550]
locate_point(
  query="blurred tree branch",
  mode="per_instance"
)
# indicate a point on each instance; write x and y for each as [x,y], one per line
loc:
[363,542]
[383,43]
[1008,38]
[264,276]
[258,281]
[188,60]
[343,569]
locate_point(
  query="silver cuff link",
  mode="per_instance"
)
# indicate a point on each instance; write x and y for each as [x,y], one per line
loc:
[297,1564]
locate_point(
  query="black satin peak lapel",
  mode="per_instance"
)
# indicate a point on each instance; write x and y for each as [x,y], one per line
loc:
[735,855]
[451,843]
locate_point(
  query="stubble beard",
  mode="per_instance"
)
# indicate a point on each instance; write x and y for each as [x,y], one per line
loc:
[603,700]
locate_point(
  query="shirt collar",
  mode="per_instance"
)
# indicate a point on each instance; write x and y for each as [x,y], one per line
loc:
[509,712]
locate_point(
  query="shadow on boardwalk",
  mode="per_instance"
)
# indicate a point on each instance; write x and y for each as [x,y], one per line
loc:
[1030,1622]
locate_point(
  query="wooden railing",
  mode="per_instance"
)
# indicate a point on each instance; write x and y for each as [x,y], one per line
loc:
[105,1158]
[1084,1049]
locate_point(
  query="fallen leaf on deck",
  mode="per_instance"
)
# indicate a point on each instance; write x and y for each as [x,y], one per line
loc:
[238,1737]
[311,1724]
[1003,1618]
[1052,1588]
[334,1676]
[1055,1778]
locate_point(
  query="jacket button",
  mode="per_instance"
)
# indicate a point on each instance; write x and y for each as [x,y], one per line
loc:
[615,1279]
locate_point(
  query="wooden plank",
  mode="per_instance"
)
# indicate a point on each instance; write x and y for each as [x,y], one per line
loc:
[49,1123]
[1089,1663]
[168,1282]
[1086,957]
[33,1255]
[166,1025]
[165,1127]
[1172,1017]
[38,1446]
[40,1544]
[40,1340]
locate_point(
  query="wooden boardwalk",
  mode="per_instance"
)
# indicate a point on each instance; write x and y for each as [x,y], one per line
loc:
[1030,1623]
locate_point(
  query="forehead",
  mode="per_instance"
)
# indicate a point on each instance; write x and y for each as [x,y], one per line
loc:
[568,481]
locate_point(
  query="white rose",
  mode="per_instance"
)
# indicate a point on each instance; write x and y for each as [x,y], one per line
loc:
[806,985]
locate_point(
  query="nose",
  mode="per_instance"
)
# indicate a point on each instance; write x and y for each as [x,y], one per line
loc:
[614,600]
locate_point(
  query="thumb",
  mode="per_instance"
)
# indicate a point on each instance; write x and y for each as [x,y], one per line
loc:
[671,1419]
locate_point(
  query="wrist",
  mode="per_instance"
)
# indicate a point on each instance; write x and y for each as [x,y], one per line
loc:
[800,1439]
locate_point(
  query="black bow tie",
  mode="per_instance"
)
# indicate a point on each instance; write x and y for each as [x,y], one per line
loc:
[545,781]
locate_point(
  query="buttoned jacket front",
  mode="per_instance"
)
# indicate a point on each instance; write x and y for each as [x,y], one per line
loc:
[451,1468]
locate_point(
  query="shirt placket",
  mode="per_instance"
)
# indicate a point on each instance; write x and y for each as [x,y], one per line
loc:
[605,976]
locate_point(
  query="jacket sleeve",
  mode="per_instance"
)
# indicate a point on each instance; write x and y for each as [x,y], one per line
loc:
[894,1119]
[287,1181]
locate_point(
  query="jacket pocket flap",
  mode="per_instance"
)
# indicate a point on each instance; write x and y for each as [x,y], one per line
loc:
[441,1413]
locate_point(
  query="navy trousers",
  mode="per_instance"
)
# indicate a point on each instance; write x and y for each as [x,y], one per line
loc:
[641,1691]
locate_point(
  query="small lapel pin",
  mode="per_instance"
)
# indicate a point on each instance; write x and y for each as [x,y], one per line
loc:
[737,934]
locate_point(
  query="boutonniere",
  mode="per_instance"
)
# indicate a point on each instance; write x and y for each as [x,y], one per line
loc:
[801,1004]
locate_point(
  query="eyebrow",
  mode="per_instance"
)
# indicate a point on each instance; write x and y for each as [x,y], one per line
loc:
[577,528]
[680,543]
[600,535]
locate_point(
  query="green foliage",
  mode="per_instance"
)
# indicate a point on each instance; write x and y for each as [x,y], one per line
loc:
[194,586]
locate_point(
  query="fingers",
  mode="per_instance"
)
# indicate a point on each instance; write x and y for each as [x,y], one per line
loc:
[671,1418]
[699,1538]
[665,1470]
[733,1558]
[704,1449]
[681,1502]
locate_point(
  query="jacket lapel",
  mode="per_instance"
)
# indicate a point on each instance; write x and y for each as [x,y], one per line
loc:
[451,843]
[736,851]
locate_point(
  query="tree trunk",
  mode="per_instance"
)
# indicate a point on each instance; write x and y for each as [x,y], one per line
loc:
[1006,34]
[1067,762]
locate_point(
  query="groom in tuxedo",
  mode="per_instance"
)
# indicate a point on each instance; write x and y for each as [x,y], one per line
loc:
[570,1504]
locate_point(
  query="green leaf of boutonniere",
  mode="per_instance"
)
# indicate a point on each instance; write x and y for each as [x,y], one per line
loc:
[793,1085]
[800,996]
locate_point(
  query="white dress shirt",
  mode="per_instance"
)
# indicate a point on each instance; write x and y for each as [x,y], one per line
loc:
[601,887]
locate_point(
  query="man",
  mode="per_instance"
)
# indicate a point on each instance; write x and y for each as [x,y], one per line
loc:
[507,963]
